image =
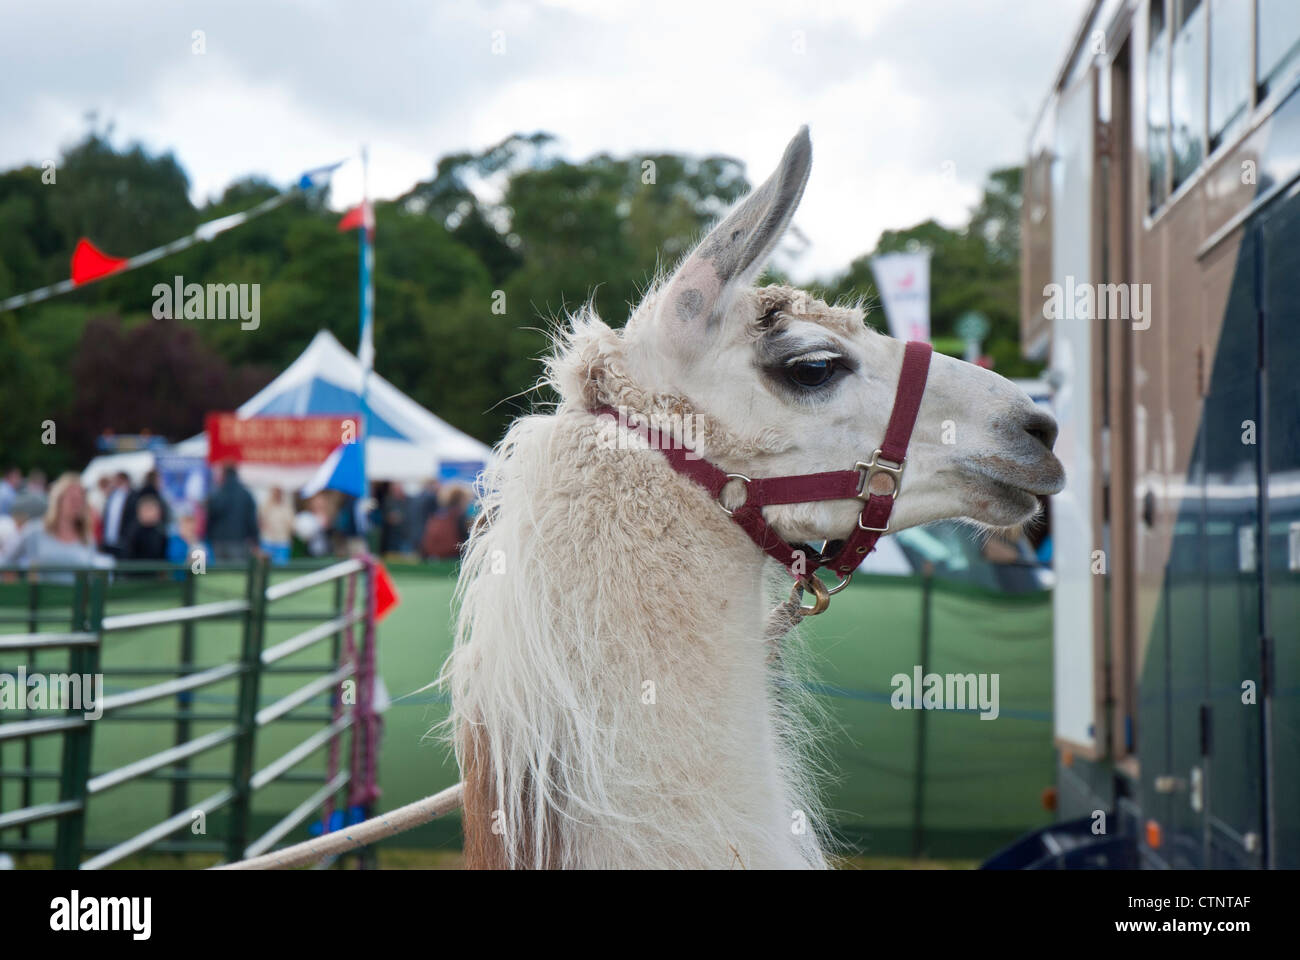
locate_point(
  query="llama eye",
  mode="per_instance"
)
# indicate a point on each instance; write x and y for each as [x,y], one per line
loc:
[811,373]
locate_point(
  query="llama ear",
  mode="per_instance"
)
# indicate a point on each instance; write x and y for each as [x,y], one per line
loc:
[736,250]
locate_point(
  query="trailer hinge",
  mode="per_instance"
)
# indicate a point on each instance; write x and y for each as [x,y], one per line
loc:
[1207,730]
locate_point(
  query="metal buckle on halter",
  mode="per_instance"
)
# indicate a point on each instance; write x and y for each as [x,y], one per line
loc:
[868,470]
[734,476]
[875,466]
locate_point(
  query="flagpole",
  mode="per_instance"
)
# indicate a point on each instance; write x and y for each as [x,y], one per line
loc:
[366,341]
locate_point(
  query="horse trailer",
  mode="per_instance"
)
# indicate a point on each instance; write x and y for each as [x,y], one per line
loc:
[1161,285]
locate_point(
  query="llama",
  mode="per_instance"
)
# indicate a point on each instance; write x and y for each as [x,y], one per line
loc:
[620,698]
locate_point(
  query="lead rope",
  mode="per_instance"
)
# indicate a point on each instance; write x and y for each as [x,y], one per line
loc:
[783,618]
[360,835]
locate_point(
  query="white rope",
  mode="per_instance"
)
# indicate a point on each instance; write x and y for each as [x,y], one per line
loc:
[201,234]
[362,834]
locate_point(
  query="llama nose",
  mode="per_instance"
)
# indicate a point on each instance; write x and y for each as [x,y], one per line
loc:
[1041,425]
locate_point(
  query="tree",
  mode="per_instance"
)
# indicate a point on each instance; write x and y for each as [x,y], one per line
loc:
[972,268]
[121,373]
[473,269]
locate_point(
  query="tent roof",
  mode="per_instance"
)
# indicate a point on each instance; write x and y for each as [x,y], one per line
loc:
[406,441]
[326,379]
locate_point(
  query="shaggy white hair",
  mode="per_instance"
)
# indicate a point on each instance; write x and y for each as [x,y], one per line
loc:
[610,667]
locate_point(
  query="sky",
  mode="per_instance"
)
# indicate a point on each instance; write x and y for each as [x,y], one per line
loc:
[910,102]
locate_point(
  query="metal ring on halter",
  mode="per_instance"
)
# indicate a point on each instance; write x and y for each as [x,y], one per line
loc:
[821,596]
[831,591]
[730,477]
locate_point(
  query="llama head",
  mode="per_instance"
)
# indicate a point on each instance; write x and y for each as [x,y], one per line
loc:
[786,384]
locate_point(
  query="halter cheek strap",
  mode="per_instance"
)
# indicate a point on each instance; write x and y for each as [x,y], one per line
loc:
[876,482]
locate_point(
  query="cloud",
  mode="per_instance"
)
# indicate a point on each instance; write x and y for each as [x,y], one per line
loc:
[910,103]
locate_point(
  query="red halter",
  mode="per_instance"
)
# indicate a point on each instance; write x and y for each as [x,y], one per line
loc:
[886,462]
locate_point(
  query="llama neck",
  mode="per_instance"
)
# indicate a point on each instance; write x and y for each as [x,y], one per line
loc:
[616,663]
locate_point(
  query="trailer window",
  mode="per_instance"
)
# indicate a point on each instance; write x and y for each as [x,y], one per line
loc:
[1278,35]
[1229,67]
[1187,88]
[1157,105]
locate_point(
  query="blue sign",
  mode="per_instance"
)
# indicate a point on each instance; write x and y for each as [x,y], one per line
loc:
[184,480]
[460,471]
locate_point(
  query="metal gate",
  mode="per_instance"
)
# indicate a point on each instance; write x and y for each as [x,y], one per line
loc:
[76,619]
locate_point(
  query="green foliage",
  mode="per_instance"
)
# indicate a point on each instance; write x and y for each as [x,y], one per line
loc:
[973,268]
[467,290]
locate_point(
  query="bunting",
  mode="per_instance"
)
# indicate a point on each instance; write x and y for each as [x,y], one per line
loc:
[89,263]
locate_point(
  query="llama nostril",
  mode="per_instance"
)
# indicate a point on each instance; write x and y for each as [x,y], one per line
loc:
[1042,427]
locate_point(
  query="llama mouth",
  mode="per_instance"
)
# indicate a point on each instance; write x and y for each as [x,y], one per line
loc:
[1002,501]
[1012,496]
[1044,478]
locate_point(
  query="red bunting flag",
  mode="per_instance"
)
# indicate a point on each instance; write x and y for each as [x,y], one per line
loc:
[386,596]
[362,215]
[89,264]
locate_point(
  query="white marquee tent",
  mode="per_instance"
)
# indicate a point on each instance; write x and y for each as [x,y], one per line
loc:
[405,443]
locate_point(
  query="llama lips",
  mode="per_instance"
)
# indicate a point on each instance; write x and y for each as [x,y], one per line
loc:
[1017,497]
[1007,497]
[1038,475]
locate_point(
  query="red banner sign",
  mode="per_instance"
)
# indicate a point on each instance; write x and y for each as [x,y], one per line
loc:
[288,440]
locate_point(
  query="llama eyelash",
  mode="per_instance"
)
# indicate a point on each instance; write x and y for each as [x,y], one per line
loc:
[813,357]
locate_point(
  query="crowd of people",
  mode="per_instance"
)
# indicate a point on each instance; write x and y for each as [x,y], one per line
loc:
[63,525]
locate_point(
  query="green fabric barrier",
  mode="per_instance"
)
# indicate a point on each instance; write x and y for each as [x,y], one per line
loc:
[980,781]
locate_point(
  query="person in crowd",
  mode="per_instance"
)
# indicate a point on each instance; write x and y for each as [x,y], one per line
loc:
[63,537]
[9,532]
[27,516]
[396,521]
[115,514]
[343,523]
[448,529]
[97,497]
[35,482]
[150,488]
[312,526]
[184,539]
[148,537]
[10,483]
[276,522]
[232,518]
[418,511]
[373,509]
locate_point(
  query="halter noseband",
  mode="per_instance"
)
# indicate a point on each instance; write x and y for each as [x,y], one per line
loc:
[886,462]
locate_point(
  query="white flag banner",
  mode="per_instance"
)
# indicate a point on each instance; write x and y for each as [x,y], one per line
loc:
[903,280]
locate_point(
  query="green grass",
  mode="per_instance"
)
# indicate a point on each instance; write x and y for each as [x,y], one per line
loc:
[983,779]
